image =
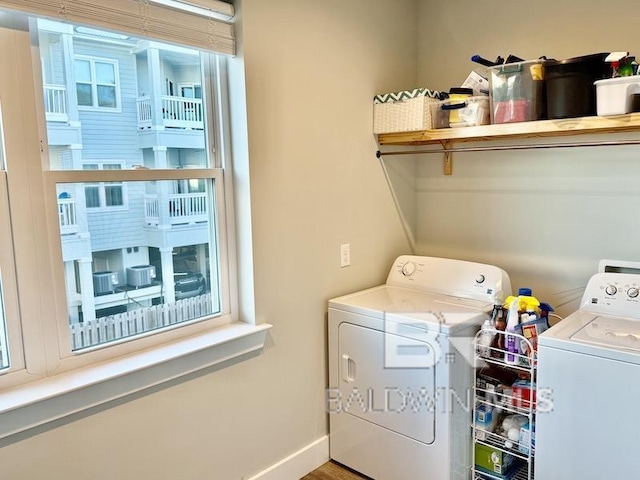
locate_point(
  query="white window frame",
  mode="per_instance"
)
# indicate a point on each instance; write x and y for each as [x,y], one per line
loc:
[102,196]
[94,83]
[8,286]
[55,382]
[193,86]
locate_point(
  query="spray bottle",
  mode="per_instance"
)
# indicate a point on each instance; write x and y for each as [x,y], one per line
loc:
[521,308]
[488,333]
[511,342]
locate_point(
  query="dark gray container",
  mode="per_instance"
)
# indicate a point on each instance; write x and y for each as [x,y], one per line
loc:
[569,85]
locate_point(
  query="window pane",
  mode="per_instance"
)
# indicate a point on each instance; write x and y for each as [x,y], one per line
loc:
[92,196]
[4,345]
[83,71]
[84,94]
[113,195]
[152,266]
[105,73]
[107,96]
[126,76]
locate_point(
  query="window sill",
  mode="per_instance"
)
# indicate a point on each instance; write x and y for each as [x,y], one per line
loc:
[42,401]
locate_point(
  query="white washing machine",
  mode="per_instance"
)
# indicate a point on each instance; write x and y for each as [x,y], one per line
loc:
[588,423]
[400,400]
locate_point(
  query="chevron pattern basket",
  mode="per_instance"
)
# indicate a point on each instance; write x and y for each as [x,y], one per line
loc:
[404,111]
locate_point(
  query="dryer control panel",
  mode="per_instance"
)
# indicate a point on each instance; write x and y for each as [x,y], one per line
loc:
[450,277]
[614,294]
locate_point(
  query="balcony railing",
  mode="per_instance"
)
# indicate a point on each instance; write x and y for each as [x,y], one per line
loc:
[55,103]
[184,208]
[177,112]
[67,215]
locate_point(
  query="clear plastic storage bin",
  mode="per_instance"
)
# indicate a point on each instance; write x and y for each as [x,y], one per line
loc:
[516,92]
[464,112]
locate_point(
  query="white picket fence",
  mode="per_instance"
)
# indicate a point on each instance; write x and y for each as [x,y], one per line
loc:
[123,325]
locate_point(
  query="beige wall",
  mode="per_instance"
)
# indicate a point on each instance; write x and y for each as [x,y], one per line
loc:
[312,69]
[546,216]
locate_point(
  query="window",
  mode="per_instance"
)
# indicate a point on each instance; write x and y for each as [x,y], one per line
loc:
[4,345]
[104,194]
[190,90]
[134,217]
[96,83]
[118,220]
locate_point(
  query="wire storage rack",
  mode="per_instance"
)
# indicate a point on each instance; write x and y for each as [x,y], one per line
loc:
[504,408]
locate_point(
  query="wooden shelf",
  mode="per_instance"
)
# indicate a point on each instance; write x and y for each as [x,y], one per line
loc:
[538,129]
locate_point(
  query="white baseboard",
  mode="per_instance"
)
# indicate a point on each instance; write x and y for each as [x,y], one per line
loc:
[297,465]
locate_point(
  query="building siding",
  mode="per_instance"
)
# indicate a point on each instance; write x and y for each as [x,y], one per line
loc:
[118,228]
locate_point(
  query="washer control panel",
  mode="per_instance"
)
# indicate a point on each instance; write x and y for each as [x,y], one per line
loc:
[611,292]
[451,277]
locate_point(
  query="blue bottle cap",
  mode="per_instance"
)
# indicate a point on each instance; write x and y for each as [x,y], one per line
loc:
[526,292]
[546,307]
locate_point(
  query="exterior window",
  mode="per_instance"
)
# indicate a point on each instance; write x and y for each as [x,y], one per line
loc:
[190,91]
[141,246]
[104,194]
[11,347]
[142,257]
[117,241]
[4,345]
[96,83]
[133,283]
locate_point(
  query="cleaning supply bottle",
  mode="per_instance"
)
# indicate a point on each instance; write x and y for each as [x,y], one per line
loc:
[615,69]
[500,324]
[487,334]
[511,341]
[520,309]
[531,307]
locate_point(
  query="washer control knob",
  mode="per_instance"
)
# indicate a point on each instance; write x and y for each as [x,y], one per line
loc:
[480,279]
[408,269]
[633,292]
[610,290]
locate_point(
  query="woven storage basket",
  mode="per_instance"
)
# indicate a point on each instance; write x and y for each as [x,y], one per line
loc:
[404,111]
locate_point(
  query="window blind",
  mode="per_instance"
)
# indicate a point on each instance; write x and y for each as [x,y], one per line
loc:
[203,24]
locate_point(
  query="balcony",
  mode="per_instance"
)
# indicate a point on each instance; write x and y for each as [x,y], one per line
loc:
[55,103]
[67,215]
[184,209]
[177,112]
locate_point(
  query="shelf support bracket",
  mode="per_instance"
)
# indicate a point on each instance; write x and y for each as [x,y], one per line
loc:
[448,158]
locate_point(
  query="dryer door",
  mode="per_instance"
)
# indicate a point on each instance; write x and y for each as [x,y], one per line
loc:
[400,399]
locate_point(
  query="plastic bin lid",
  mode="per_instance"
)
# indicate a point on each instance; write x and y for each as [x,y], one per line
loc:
[585,58]
[460,91]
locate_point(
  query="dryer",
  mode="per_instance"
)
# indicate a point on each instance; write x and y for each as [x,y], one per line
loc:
[401,368]
[588,426]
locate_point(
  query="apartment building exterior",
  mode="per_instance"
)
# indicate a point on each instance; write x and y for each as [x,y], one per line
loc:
[115,102]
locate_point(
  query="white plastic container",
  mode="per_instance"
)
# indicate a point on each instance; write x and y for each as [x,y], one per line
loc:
[614,95]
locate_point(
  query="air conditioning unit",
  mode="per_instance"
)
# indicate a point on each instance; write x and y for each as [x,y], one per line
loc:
[141,275]
[104,282]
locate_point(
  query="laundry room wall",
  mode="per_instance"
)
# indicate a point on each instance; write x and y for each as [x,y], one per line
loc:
[312,69]
[546,216]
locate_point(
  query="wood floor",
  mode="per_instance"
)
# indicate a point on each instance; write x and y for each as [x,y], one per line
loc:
[333,471]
